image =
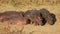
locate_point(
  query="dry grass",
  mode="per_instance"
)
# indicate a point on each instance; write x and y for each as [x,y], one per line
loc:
[23,5]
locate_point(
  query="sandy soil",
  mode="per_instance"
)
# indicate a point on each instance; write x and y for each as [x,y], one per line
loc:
[30,28]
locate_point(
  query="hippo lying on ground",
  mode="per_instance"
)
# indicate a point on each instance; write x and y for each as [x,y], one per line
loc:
[39,17]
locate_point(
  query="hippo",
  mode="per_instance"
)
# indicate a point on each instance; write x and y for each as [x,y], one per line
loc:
[34,17]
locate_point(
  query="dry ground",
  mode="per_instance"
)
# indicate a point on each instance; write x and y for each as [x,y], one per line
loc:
[28,29]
